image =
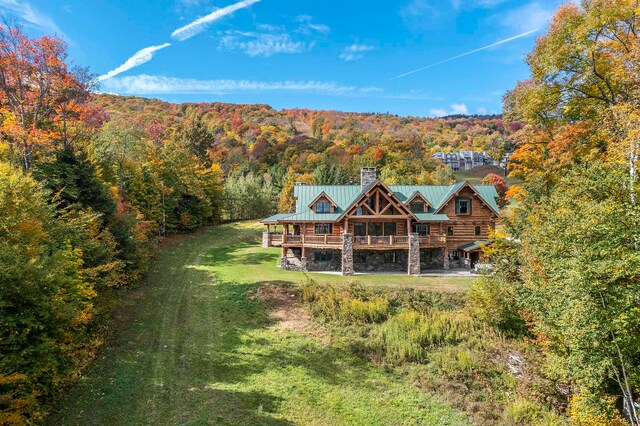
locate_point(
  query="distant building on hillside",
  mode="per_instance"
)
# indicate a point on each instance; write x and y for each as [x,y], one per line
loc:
[465,160]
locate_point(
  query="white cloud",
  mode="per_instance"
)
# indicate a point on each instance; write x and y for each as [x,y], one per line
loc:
[454,109]
[307,26]
[438,112]
[200,24]
[262,44]
[459,109]
[355,51]
[30,15]
[531,16]
[269,39]
[149,84]
[138,58]
[481,110]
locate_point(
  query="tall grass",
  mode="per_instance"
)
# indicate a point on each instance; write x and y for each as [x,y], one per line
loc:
[333,304]
[409,335]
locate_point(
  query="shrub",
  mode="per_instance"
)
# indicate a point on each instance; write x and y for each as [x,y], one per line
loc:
[409,335]
[342,305]
[526,412]
[592,410]
[492,301]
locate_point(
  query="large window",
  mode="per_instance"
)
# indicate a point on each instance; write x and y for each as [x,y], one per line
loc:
[416,206]
[322,256]
[463,205]
[390,257]
[359,229]
[389,228]
[359,257]
[323,207]
[375,228]
[324,228]
[422,229]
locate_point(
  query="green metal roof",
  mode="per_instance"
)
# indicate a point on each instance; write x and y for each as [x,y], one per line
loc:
[276,217]
[473,246]
[431,217]
[345,195]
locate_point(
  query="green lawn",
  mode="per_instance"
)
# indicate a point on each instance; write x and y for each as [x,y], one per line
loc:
[190,345]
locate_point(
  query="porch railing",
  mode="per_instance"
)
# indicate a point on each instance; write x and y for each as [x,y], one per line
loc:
[359,240]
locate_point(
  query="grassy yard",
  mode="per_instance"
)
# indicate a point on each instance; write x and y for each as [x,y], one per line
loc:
[191,345]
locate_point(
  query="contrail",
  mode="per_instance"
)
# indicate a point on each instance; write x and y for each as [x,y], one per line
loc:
[197,26]
[138,58]
[497,43]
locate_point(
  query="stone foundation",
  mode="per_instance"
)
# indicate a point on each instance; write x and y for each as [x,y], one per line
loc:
[374,261]
[433,258]
[335,264]
[347,254]
[293,263]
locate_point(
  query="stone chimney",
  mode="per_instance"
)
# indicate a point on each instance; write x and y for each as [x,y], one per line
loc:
[368,175]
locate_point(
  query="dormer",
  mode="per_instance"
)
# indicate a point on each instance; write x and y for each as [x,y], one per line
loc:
[418,203]
[323,204]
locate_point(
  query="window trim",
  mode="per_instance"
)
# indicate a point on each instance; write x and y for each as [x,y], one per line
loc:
[355,234]
[413,203]
[422,225]
[468,200]
[324,204]
[322,256]
[323,224]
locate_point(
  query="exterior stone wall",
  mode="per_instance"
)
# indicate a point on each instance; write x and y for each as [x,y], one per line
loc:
[433,258]
[347,254]
[375,261]
[293,263]
[335,264]
[414,254]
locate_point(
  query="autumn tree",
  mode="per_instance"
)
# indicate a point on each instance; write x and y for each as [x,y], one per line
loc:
[119,142]
[44,101]
[500,184]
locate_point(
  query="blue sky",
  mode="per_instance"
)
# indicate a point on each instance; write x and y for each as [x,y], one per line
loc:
[407,57]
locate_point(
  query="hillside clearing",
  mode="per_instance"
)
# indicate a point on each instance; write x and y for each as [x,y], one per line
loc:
[196,343]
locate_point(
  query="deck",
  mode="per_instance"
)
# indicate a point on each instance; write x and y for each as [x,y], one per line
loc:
[368,242]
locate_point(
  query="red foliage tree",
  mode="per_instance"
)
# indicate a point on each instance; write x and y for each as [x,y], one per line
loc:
[500,184]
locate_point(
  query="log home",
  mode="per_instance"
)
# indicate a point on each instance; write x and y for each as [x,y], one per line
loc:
[379,227]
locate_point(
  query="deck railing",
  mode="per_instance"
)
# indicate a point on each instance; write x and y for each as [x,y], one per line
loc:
[358,240]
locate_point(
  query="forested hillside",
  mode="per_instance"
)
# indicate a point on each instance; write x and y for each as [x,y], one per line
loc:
[298,141]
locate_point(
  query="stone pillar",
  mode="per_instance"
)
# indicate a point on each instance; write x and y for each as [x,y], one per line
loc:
[283,263]
[445,258]
[303,264]
[265,240]
[414,254]
[347,254]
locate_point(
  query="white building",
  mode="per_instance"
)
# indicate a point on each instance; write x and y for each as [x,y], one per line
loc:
[465,160]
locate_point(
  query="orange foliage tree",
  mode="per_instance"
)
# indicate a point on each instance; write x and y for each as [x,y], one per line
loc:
[45,100]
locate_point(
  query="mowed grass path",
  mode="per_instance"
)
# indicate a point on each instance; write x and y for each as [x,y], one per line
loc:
[189,346]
